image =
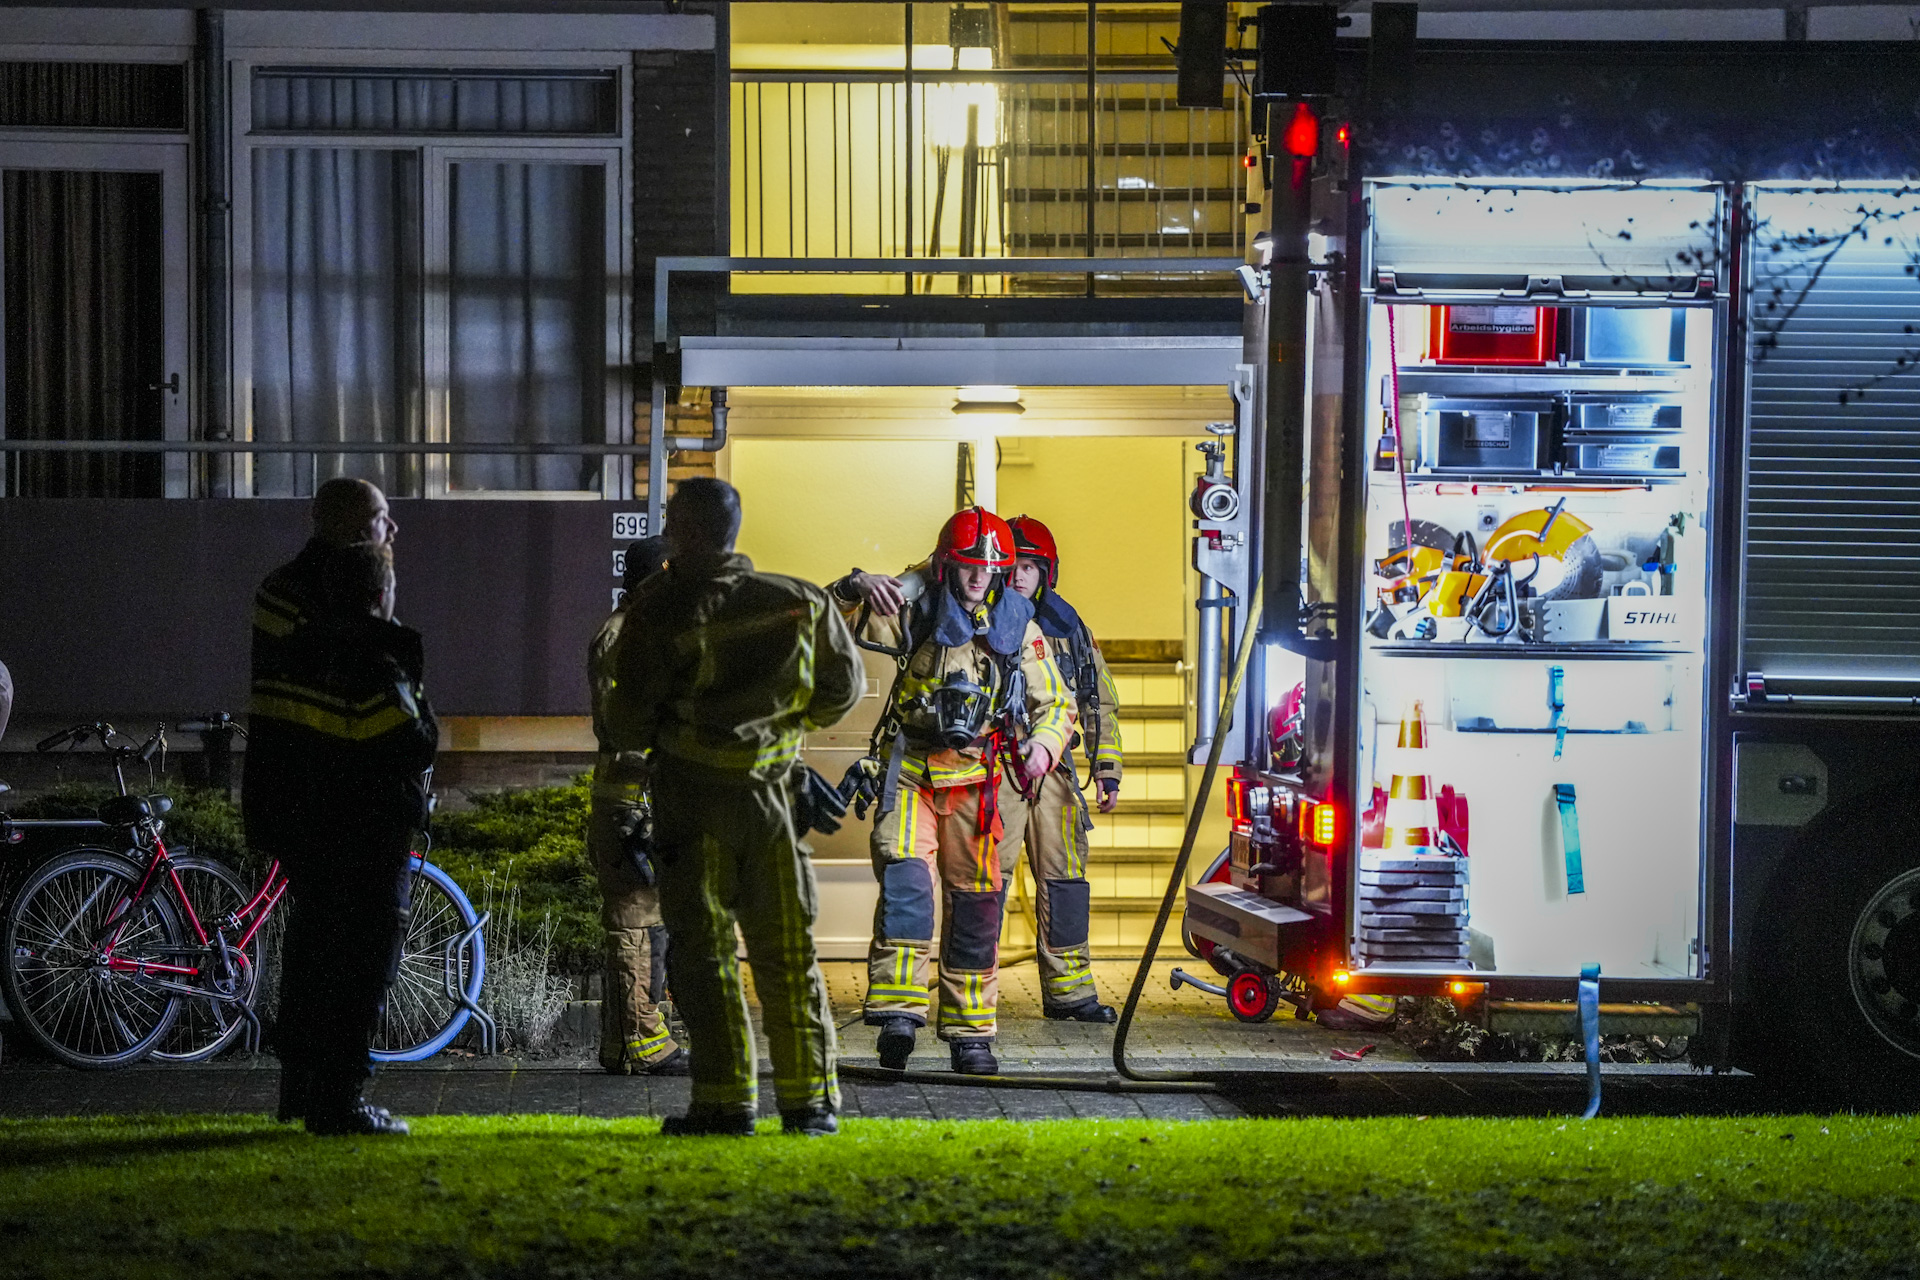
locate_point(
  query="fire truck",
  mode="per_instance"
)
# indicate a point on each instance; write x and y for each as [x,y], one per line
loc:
[1560,569]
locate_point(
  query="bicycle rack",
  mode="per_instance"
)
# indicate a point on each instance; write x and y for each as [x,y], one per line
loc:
[457,990]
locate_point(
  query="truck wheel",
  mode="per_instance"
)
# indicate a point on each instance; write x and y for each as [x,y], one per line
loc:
[1252,996]
[1848,966]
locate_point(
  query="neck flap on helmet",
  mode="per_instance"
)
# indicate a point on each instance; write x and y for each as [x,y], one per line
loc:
[1006,624]
[1056,617]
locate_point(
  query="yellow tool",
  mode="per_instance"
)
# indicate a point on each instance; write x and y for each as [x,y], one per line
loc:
[1549,531]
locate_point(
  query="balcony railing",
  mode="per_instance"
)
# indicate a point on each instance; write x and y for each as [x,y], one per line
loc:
[1000,164]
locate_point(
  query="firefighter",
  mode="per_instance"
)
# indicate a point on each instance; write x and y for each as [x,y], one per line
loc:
[718,674]
[972,666]
[1053,828]
[634,1039]
[342,743]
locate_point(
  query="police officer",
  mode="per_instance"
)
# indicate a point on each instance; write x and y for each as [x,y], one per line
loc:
[719,673]
[973,665]
[1053,827]
[342,742]
[634,1039]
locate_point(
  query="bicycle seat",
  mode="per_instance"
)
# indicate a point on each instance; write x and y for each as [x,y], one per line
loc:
[128,811]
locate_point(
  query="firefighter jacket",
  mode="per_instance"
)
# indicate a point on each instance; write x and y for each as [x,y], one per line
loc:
[1078,656]
[617,775]
[726,668]
[985,647]
[341,736]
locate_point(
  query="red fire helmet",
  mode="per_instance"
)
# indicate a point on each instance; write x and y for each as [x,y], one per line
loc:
[975,536]
[1035,540]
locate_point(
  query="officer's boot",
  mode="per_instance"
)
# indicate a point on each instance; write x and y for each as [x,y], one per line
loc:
[896,1042]
[974,1056]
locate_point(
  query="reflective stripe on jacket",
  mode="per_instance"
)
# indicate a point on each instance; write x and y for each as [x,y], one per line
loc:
[340,730]
[727,668]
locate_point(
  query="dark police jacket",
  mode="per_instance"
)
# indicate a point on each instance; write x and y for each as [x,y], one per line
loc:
[341,733]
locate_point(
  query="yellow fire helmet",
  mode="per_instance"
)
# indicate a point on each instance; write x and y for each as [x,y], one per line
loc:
[1557,534]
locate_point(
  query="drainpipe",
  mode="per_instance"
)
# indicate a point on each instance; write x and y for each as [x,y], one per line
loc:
[215,218]
[706,444]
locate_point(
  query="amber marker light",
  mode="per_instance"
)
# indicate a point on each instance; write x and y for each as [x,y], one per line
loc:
[1341,977]
[1326,824]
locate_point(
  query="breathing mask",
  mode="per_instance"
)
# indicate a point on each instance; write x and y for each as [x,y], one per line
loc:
[961,709]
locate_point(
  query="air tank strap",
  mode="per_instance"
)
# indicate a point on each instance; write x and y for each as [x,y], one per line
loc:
[1557,703]
[1590,1033]
[1564,798]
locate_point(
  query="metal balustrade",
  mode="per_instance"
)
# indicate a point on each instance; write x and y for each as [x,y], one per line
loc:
[965,164]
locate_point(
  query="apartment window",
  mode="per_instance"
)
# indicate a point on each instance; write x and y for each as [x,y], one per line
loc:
[423,288]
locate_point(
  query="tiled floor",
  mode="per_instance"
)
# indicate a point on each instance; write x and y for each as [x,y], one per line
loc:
[1289,1072]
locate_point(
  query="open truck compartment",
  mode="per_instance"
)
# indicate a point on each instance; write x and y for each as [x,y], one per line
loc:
[1531,680]
[1523,789]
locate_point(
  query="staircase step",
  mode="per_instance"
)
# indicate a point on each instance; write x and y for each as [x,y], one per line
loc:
[1163,711]
[1150,806]
[1125,195]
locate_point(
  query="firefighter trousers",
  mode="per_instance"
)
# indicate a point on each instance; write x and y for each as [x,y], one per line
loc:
[1051,832]
[933,835]
[633,1034]
[728,855]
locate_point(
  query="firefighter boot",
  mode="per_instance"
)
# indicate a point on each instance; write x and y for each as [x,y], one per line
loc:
[813,1122]
[709,1122]
[974,1057]
[896,1042]
[1085,1011]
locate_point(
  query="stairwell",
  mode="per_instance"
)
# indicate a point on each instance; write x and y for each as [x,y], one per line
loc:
[1131,851]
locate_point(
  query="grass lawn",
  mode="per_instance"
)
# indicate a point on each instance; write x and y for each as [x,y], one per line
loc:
[526,1196]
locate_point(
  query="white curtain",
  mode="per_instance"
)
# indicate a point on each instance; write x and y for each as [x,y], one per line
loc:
[337,283]
[527,335]
[336,313]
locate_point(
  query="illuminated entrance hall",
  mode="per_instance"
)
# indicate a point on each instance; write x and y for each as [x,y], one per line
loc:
[834,478]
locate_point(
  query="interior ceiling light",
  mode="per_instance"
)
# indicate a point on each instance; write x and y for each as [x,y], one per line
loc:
[1002,402]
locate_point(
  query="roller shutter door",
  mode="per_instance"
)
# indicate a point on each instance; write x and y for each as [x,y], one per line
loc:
[1832,574]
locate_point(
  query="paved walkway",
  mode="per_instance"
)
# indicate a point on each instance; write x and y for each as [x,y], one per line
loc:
[1290,1066]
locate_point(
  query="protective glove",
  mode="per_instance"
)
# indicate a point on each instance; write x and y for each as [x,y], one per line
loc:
[860,788]
[817,805]
[636,842]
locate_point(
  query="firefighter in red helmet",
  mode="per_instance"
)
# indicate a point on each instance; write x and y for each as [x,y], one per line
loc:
[1052,825]
[977,698]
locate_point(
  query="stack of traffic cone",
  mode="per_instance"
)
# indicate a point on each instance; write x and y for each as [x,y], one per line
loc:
[1412,897]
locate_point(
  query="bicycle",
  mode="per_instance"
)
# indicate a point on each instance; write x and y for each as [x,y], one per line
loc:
[109,956]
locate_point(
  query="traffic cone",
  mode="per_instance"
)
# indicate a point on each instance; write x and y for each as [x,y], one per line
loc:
[1413,820]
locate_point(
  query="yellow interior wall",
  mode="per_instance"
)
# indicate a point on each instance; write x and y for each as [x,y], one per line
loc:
[816,508]
[1118,508]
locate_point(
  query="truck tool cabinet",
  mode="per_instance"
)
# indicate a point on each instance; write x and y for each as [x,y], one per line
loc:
[1608,566]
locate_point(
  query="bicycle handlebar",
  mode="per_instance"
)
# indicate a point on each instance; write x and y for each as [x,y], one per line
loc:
[106,733]
[77,734]
[212,722]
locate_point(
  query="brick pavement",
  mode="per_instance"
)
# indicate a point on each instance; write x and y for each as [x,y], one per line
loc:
[1173,1031]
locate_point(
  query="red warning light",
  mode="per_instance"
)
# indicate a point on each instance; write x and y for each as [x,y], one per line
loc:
[1303,133]
[1344,136]
[1247,161]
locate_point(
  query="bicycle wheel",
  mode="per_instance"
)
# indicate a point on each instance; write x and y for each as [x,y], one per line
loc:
[420,1018]
[63,992]
[207,1024]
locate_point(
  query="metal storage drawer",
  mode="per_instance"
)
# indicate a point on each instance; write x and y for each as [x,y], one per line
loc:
[1628,337]
[1629,415]
[1476,435]
[1621,453]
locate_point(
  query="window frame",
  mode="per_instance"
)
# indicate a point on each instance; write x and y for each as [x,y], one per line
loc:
[143,151]
[437,151]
